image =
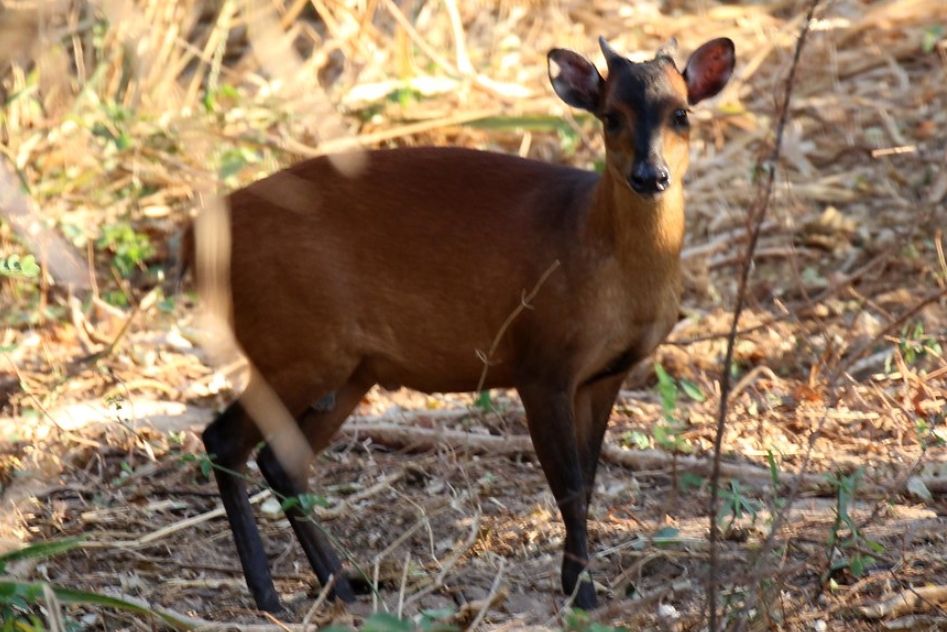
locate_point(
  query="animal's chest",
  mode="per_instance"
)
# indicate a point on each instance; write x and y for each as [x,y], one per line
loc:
[627,321]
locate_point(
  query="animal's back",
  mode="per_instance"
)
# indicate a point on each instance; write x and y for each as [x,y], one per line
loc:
[410,265]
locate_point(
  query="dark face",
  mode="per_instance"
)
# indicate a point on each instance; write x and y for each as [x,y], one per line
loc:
[644,117]
[643,108]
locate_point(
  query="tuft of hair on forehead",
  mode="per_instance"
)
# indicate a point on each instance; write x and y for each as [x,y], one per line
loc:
[667,51]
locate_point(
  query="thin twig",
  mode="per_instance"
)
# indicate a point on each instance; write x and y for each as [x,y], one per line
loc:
[449,564]
[321,599]
[487,357]
[755,216]
[404,581]
[490,598]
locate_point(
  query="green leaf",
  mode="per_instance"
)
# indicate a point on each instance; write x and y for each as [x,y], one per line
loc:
[29,267]
[40,550]
[665,537]
[689,481]
[484,401]
[32,592]
[129,247]
[385,622]
[692,390]
[667,390]
[931,36]
[308,501]
[857,565]
[773,469]
[15,267]
[637,438]
[523,123]
[206,466]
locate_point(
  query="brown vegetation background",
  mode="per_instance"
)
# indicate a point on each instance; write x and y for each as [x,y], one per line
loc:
[122,117]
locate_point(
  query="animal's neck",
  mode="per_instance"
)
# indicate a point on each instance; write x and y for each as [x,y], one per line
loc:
[646,232]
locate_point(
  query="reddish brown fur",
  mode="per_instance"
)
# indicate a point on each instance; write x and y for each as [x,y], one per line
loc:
[350,278]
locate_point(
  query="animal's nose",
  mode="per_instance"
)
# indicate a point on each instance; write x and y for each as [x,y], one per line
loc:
[649,178]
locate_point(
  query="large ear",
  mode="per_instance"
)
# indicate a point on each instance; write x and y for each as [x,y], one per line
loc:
[575,79]
[709,68]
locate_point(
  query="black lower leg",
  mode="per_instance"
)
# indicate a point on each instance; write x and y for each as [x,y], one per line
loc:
[575,560]
[550,414]
[315,544]
[229,440]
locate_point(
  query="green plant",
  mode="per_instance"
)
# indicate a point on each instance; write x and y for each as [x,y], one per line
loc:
[668,434]
[851,550]
[932,35]
[112,131]
[637,439]
[305,502]
[20,595]
[666,537]
[930,432]
[484,401]
[735,505]
[225,95]
[777,502]
[914,345]
[569,136]
[232,161]
[129,248]
[205,464]
[123,475]
[578,620]
[18,267]
[18,603]
[426,621]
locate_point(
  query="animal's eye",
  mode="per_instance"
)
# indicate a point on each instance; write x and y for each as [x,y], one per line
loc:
[612,122]
[680,118]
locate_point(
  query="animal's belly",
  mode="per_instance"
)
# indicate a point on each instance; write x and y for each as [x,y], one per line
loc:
[439,373]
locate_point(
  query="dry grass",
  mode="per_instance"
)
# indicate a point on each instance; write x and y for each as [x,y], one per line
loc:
[119,116]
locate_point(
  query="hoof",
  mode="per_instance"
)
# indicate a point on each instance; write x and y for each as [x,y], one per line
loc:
[271,604]
[343,590]
[585,598]
[359,583]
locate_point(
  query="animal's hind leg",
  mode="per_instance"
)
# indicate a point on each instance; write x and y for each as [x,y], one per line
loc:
[318,424]
[229,440]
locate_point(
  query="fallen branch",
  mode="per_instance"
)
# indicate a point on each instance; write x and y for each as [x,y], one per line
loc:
[154,536]
[411,437]
[907,601]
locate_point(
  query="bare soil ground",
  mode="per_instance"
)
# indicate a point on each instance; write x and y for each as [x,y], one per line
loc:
[438,499]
